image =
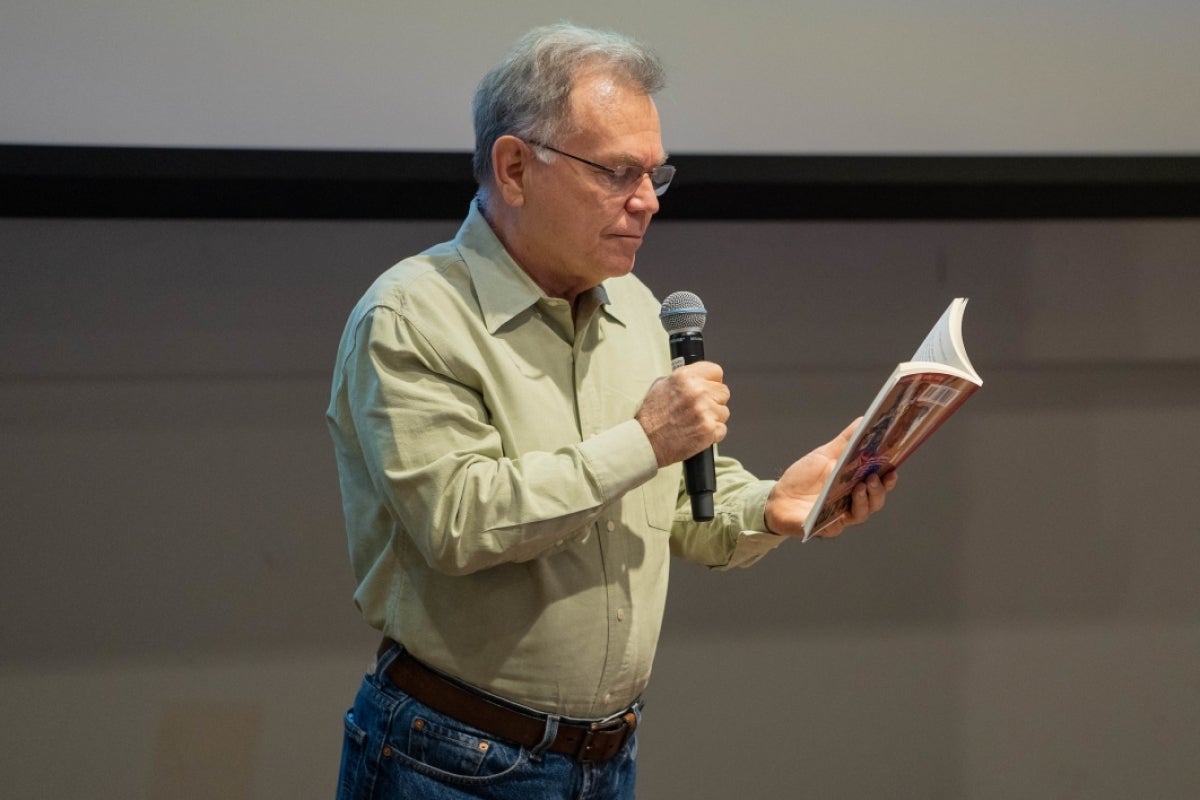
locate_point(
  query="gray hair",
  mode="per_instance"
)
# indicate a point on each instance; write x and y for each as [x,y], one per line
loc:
[527,95]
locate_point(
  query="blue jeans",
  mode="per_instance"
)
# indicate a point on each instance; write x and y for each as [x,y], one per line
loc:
[396,747]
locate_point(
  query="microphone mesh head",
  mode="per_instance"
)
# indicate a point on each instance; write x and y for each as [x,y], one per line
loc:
[683,312]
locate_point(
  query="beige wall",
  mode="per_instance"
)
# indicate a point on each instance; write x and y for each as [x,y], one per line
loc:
[765,76]
[175,612]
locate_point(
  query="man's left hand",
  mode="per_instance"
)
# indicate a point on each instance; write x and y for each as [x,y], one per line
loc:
[797,490]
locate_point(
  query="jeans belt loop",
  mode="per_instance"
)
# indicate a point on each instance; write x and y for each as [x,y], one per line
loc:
[624,725]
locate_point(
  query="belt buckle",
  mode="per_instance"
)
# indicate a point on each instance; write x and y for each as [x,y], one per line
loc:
[624,724]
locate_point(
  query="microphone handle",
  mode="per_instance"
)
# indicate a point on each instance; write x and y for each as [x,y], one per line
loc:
[699,471]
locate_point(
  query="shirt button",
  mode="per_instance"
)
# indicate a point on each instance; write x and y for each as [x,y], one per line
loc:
[620,615]
[610,525]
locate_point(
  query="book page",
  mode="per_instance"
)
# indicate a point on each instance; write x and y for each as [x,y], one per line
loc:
[944,344]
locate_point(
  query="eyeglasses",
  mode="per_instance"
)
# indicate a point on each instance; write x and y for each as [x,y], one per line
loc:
[627,176]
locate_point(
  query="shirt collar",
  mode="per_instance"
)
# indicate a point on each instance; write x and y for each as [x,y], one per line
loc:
[503,289]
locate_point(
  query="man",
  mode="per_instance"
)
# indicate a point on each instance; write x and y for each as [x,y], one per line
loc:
[509,433]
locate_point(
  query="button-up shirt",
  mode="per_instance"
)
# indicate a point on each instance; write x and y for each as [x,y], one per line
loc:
[507,520]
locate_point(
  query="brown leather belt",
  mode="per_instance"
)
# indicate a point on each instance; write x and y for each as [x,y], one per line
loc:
[583,741]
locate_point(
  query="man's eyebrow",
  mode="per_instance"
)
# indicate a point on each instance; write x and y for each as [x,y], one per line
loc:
[631,160]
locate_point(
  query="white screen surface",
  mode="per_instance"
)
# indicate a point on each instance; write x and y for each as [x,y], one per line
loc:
[844,76]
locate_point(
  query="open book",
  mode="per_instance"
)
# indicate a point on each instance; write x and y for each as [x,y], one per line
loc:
[918,397]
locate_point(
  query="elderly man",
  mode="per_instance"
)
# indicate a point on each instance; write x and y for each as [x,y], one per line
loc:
[509,432]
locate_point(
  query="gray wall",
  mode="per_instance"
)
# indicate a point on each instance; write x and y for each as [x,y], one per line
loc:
[1023,621]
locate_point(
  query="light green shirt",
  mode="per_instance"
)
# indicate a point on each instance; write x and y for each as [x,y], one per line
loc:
[507,520]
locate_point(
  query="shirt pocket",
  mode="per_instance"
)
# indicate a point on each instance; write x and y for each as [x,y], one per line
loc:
[659,497]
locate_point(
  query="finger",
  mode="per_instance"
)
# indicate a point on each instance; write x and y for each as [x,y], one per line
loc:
[832,530]
[834,447]
[708,370]
[876,494]
[848,432]
[860,504]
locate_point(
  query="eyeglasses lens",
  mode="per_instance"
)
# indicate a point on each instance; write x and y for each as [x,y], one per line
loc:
[626,178]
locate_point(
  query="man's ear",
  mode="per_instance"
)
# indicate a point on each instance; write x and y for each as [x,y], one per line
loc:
[510,160]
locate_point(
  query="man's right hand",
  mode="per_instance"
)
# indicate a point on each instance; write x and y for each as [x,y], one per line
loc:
[685,412]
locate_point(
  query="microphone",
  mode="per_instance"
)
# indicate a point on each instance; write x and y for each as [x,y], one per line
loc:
[683,317]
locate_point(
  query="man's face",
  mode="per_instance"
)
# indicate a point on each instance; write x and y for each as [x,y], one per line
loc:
[578,231]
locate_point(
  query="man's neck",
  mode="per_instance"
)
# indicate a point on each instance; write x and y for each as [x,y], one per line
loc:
[503,224]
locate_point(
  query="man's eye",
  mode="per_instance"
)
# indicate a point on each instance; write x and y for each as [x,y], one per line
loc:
[624,175]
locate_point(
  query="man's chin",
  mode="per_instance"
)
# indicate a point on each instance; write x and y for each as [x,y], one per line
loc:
[620,268]
[622,263]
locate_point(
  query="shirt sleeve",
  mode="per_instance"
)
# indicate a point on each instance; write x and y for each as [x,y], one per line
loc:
[737,535]
[439,465]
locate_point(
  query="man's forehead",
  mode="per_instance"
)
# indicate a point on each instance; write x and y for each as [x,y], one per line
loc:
[616,117]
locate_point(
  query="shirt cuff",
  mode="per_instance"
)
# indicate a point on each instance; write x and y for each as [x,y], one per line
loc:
[753,541]
[620,459]
[750,546]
